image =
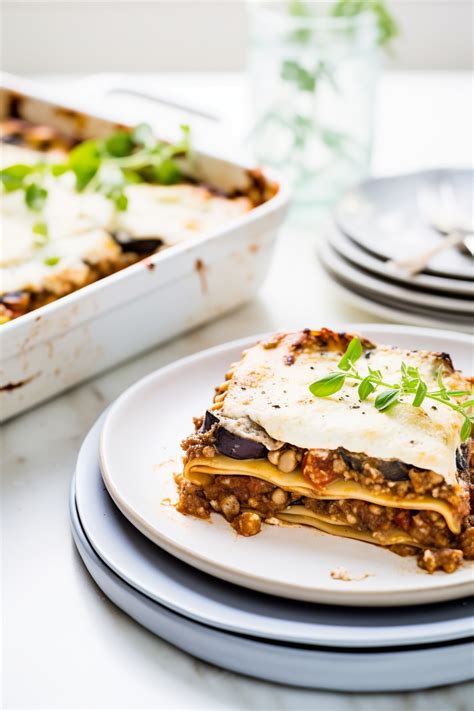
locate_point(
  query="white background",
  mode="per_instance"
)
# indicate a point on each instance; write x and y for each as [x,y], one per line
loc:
[197,35]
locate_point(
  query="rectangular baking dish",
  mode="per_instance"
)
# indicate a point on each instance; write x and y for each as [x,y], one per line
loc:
[65,342]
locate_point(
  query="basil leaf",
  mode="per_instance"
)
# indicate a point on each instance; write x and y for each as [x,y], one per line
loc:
[59,169]
[84,160]
[420,394]
[35,196]
[366,387]
[466,430]
[352,354]
[387,398]
[12,177]
[328,385]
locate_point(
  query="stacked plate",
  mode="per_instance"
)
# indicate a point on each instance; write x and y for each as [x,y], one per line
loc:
[392,627]
[392,219]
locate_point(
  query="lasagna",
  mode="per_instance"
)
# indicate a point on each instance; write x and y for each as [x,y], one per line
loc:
[80,236]
[267,450]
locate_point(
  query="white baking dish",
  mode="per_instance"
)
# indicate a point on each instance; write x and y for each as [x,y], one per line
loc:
[58,345]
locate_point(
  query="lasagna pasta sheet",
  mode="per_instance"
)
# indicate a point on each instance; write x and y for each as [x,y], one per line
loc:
[197,469]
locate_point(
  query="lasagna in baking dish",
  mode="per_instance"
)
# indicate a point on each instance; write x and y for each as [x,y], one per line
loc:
[73,213]
[388,467]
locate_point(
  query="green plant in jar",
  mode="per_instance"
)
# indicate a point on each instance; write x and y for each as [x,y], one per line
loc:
[314,100]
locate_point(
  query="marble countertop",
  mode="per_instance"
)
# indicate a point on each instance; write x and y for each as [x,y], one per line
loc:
[64,644]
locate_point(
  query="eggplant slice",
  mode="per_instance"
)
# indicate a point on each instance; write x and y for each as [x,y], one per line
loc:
[232,445]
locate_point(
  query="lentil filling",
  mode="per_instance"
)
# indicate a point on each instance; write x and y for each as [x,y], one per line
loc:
[245,500]
[233,496]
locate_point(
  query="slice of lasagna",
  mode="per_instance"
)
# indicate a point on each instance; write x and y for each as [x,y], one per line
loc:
[268,450]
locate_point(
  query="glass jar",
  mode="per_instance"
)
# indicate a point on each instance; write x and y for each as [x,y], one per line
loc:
[313,83]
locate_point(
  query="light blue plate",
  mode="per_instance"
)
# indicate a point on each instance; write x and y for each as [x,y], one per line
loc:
[387,669]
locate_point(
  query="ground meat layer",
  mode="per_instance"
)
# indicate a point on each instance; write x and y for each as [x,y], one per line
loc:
[233,496]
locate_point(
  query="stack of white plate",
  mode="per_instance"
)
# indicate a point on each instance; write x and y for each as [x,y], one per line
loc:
[385,219]
[390,627]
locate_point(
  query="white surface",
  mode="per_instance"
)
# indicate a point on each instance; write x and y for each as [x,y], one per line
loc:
[435,34]
[64,644]
[139,453]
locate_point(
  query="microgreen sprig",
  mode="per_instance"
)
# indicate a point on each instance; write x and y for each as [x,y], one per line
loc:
[105,165]
[411,383]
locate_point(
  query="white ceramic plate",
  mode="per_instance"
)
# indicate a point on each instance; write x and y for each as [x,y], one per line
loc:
[356,254]
[139,453]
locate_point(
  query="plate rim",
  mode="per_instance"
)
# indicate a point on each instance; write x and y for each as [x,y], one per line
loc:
[250,579]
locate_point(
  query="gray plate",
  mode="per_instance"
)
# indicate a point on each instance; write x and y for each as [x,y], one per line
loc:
[208,600]
[382,215]
[432,306]
[359,257]
[392,669]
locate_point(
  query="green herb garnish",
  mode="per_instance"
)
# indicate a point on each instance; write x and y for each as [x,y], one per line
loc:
[104,165]
[411,383]
[35,196]
[52,261]
[387,27]
[40,230]
[28,178]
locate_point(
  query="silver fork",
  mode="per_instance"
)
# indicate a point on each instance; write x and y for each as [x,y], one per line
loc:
[440,209]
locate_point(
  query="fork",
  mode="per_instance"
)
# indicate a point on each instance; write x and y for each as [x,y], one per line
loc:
[440,210]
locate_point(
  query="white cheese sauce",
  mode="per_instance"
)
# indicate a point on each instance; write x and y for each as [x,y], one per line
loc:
[276,396]
[76,222]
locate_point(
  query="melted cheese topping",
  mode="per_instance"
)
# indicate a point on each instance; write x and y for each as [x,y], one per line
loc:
[276,396]
[296,483]
[176,212]
[77,223]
